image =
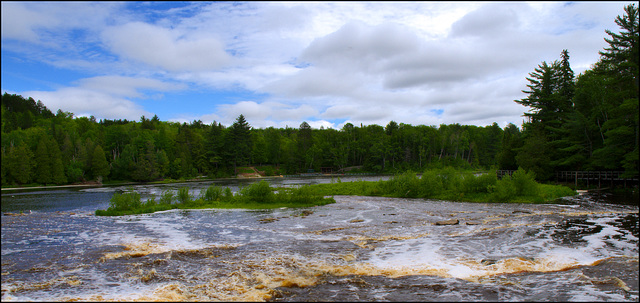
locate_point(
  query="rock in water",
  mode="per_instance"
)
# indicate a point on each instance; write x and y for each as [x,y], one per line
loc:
[448,222]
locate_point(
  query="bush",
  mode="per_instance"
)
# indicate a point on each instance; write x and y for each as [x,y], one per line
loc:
[228,195]
[183,195]
[150,202]
[125,201]
[406,185]
[503,191]
[451,179]
[478,184]
[212,193]
[259,192]
[166,197]
[525,183]
[430,184]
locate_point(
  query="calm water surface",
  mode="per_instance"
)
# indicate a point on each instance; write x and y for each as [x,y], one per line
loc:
[358,249]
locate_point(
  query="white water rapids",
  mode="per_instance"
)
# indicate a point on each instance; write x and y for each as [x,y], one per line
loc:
[358,249]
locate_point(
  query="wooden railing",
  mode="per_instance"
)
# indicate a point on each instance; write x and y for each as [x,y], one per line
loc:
[589,176]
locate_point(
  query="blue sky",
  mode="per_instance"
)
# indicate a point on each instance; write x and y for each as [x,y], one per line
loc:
[282,63]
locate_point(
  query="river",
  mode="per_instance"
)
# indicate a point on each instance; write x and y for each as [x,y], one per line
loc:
[358,249]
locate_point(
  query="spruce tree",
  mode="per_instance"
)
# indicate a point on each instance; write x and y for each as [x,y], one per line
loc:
[57,169]
[99,165]
[20,164]
[43,162]
[240,141]
[619,64]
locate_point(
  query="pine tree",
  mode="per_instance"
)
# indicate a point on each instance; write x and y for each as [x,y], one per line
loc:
[240,139]
[20,164]
[99,166]
[622,54]
[619,63]
[57,169]
[43,162]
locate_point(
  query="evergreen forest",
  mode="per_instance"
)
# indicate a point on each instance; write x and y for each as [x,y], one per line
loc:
[573,122]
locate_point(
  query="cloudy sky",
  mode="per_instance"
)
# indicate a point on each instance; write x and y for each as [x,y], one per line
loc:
[281,63]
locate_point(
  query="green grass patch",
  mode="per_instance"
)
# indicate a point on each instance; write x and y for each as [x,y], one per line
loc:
[258,195]
[453,185]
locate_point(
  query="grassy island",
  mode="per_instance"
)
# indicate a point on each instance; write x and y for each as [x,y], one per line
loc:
[442,184]
[255,196]
[452,185]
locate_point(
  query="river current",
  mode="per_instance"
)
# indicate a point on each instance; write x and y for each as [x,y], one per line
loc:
[359,249]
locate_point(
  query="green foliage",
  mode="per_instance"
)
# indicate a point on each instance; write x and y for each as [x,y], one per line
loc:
[431,184]
[183,195]
[212,193]
[125,201]
[99,165]
[257,195]
[167,197]
[453,185]
[524,183]
[503,191]
[228,194]
[479,184]
[589,122]
[259,192]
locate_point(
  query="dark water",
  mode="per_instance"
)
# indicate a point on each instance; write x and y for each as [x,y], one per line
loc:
[358,249]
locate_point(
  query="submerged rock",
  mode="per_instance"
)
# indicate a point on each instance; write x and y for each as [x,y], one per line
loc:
[448,222]
[268,220]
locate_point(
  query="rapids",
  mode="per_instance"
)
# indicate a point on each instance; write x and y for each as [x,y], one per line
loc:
[358,249]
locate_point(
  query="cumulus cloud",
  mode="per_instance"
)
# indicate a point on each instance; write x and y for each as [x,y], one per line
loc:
[489,20]
[87,102]
[165,48]
[266,111]
[326,63]
[127,86]
[107,97]
[18,22]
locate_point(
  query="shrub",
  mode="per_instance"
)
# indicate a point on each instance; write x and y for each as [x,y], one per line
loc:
[430,184]
[151,201]
[259,192]
[503,191]
[405,185]
[166,197]
[451,179]
[228,195]
[212,193]
[183,195]
[525,183]
[125,201]
[302,195]
[478,184]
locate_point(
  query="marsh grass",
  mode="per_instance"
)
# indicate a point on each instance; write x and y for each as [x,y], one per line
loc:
[441,184]
[255,196]
[450,184]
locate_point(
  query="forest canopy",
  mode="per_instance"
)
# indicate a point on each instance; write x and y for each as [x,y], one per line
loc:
[583,122]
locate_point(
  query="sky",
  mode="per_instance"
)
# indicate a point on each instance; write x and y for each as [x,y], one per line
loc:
[282,63]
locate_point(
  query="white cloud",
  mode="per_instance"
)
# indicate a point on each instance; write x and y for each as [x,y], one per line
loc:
[107,97]
[165,48]
[18,22]
[489,20]
[86,102]
[366,62]
[259,113]
[126,86]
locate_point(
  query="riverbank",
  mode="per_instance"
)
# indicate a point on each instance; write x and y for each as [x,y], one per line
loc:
[86,184]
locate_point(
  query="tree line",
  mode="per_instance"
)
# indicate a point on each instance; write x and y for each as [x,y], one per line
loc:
[588,122]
